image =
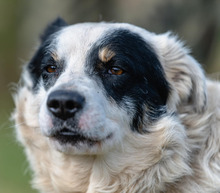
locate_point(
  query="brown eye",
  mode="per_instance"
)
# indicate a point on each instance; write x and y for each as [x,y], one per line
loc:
[51,68]
[116,71]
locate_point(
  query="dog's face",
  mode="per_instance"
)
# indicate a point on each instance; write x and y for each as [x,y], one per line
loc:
[97,83]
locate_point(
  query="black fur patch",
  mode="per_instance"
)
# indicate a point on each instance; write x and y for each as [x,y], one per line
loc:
[143,81]
[52,28]
[43,57]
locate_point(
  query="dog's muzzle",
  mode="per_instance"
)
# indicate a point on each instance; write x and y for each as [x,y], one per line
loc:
[63,105]
[71,121]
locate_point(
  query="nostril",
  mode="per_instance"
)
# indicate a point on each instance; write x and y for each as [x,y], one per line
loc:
[53,104]
[70,105]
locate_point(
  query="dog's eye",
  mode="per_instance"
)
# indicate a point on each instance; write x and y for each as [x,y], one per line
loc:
[51,68]
[115,71]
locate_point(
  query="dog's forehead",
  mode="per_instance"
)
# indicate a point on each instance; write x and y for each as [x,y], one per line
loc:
[79,38]
[74,42]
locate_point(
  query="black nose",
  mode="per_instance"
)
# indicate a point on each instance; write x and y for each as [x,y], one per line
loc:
[64,104]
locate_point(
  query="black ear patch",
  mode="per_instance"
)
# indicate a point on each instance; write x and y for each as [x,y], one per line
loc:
[43,56]
[52,28]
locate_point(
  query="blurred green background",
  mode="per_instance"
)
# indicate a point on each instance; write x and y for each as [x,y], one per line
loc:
[196,22]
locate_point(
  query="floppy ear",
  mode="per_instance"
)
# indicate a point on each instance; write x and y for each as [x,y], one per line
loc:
[35,63]
[184,73]
[55,26]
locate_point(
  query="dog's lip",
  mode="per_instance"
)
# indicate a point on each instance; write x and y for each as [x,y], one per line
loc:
[67,132]
[68,136]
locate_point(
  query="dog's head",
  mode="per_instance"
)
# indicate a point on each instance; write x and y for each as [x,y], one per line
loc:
[95,83]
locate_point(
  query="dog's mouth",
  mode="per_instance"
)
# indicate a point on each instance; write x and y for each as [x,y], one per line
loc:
[67,136]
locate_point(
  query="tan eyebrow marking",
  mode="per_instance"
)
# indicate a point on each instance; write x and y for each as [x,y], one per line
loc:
[105,54]
[55,56]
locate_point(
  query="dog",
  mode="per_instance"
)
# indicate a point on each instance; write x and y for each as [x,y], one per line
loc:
[113,108]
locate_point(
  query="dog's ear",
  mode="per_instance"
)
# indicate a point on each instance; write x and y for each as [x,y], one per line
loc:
[55,26]
[184,73]
[35,63]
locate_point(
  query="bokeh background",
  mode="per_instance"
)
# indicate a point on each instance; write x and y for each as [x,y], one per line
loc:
[196,22]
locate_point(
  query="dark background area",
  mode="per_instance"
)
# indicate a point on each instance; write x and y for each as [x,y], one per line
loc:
[196,22]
